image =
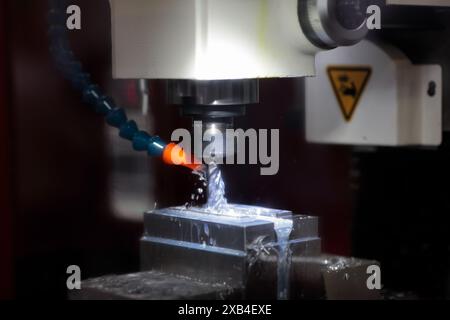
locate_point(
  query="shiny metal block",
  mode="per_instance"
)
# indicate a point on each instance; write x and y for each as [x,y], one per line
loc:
[236,250]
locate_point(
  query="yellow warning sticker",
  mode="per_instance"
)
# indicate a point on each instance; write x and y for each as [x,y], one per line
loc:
[348,83]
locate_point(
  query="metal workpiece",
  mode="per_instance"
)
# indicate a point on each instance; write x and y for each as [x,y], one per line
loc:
[243,250]
[202,246]
[264,264]
[151,286]
[332,278]
[195,254]
[189,226]
[304,227]
[194,261]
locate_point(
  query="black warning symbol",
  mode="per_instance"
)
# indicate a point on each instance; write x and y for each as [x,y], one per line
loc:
[348,83]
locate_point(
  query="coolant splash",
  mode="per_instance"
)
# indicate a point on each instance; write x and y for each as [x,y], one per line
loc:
[200,185]
[283,229]
[217,204]
[216,190]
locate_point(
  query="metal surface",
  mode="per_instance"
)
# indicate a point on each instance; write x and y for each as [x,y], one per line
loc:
[265,265]
[201,246]
[151,286]
[332,278]
[192,254]
[322,22]
[241,251]
[213,105]
[214,131]
[209,40]
[190,93]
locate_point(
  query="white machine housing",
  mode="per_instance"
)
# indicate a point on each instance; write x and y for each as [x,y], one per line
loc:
[396,108]
[209,39]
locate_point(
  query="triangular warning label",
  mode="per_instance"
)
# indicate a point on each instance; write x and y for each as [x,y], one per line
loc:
[348,84]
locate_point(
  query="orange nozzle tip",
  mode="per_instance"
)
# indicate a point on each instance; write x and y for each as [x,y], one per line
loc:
[175,155]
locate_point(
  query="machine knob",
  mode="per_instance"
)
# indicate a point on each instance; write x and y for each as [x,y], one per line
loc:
[333,23]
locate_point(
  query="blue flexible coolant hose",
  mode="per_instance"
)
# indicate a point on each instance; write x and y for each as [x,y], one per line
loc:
[73,71]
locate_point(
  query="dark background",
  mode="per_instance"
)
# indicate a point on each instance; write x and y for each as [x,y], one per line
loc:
[391,205]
